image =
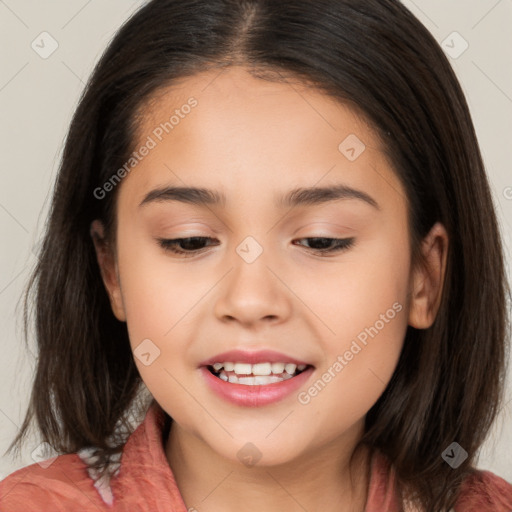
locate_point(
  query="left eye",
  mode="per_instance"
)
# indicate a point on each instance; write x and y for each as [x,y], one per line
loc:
[195,244]
[340,244]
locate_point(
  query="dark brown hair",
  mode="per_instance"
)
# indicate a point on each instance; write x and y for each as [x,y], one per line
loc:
[375,56]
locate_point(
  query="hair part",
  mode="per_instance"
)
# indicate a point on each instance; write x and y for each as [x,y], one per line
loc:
[376,57]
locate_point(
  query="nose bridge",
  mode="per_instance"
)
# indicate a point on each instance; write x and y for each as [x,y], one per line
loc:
[252,291]
[254,231]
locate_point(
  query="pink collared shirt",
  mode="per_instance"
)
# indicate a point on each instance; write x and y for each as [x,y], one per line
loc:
[143,481]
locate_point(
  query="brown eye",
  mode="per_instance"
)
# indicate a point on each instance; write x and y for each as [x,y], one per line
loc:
[189,246]
[329,245]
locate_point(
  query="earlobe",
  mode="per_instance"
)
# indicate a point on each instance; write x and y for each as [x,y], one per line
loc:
[108,268]
[427,281]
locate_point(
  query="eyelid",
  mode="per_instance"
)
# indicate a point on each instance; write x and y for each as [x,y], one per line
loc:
[331,225]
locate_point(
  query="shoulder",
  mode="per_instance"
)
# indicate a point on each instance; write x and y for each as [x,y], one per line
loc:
[484,491]
[64,482]
[480,491]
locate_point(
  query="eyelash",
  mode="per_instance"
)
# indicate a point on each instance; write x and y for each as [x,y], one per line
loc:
[341,244]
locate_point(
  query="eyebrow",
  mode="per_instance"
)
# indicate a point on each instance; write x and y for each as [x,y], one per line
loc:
[301,196]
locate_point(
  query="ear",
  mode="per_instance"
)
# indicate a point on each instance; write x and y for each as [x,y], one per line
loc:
[427,282]
[109,270]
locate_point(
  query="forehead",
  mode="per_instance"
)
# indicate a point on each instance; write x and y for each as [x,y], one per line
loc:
[232,98]
[245,134]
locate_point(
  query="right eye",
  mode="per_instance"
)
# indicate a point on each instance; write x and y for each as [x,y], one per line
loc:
[190,245]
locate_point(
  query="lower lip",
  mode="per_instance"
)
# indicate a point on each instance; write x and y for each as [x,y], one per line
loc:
[255,396]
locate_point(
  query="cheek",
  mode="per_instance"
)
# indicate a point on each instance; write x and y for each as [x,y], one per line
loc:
[162,299]
[358,366]
[148,295]
[156,293]
[362,305]
[154,300]
[158,298]
[352,293]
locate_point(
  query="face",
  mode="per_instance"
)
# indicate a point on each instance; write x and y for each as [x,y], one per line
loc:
[324,282]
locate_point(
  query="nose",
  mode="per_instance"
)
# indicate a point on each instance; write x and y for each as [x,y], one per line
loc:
[253,293]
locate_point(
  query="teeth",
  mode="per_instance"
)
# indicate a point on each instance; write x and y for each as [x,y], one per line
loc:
[259,380]
[242,368]
[277,367]
[262,380]
[290,368]
[261,369]
[259,374]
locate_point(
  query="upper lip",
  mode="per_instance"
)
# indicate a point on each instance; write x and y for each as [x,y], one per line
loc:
[252,357]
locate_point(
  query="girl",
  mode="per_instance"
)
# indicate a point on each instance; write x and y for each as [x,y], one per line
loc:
[272,239]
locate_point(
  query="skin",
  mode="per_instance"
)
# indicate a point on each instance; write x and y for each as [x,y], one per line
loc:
[251,139]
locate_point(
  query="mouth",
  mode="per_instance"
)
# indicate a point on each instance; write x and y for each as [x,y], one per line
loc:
[255,378]
[259,374]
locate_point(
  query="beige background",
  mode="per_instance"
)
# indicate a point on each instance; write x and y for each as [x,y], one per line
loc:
[38,96]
